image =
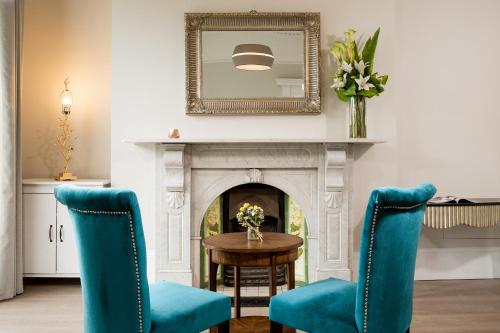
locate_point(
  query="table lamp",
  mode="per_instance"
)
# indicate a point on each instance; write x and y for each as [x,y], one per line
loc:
[65,139]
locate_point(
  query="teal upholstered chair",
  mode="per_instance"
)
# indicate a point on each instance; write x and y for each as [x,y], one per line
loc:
[381,301]
[116,294]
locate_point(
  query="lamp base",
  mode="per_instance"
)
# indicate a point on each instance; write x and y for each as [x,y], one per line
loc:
[65,176]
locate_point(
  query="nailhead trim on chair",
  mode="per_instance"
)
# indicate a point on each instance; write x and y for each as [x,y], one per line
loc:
[370,251]
[403,207]
[134,250]
[368,269]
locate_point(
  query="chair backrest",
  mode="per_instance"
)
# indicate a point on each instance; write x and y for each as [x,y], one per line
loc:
[110,242]
[389,242]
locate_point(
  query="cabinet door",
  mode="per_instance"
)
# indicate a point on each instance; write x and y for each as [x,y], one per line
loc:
[39,217]
[67,258]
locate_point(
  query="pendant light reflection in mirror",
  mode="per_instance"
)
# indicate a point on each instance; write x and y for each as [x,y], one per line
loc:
[253,57]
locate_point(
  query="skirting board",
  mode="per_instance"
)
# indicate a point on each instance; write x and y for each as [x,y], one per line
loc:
[453,264]
[458,263]
[432,264]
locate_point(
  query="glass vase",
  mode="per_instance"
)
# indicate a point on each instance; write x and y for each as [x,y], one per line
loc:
[252,234]
[357,113]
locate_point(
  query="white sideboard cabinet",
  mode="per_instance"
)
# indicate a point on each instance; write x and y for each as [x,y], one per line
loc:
[49,245]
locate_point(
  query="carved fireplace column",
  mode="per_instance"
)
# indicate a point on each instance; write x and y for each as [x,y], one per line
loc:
[173,245]
[334,233]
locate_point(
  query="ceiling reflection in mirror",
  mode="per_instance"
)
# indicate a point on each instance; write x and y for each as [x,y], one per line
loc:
[252,64]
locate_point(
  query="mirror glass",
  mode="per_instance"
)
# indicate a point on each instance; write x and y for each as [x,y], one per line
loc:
[281,76]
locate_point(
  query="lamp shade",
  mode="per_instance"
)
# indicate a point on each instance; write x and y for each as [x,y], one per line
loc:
[66,98]
[253,57]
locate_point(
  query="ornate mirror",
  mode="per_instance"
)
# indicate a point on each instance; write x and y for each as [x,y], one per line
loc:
[252,63]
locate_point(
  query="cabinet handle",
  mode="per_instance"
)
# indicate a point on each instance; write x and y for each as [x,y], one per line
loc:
[50,233]
[61,234]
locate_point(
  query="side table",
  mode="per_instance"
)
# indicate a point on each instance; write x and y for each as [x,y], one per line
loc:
[236,250]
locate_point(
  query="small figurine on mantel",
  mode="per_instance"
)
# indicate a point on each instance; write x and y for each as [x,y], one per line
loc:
[174,133]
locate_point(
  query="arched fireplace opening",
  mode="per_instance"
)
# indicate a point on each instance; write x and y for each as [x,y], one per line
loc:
[282,214]
[272,201]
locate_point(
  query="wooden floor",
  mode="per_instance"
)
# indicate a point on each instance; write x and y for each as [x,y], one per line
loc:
[465,306]
[458,306]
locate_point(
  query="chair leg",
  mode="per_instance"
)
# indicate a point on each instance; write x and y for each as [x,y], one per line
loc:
[223,327]
[408,331]
[276,327]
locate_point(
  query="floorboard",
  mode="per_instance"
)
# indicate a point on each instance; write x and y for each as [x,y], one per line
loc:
[458,306]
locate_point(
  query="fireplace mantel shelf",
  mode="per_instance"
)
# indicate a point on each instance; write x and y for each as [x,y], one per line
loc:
[138,141]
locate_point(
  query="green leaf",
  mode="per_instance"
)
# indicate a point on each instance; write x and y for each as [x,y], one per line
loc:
[351,89]
[383,79]
[352,48]
[355,51]
[339,51]
[369,50]
[374,79]
[342,96]
[369,93]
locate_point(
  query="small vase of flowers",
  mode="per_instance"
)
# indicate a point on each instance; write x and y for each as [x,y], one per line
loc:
[355,79]
[251,217]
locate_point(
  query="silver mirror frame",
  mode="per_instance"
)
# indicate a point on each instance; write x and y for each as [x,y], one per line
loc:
[196,23]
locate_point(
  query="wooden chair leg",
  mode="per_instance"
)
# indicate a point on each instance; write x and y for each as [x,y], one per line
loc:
[223,327]
[276,327]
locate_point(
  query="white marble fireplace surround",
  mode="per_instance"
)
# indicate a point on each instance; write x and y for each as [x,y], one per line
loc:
[192,173]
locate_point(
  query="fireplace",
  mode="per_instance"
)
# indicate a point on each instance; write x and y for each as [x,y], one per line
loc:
[193,174]
[272,200]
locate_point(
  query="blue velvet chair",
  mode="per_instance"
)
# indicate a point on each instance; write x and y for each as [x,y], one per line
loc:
[382,300]
[116,295]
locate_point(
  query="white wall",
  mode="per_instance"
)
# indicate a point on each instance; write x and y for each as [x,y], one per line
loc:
[448,120]
[439,115]
[66,38]
[148,86]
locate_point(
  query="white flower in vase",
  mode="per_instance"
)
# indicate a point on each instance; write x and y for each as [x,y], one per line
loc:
[346,67]
[339,82]
[360,66]
[363,83]
[356,62]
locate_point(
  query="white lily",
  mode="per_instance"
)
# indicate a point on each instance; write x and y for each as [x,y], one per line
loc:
[363,83]
[346,67]
[360,66]
[339,83]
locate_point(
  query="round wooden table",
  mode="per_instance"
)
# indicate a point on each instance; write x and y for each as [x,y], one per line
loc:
[236,250]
